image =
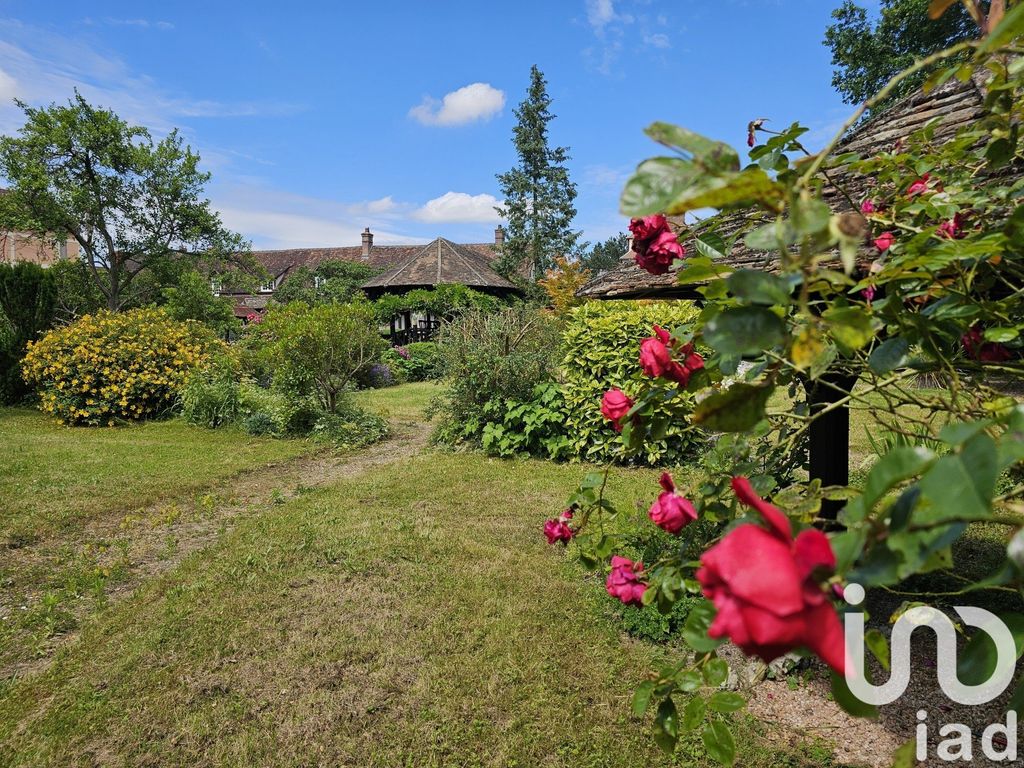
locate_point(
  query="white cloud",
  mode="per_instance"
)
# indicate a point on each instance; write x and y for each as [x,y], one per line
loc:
[8,87]
[272,218]
[477,101]
[600,13]
[658,40]
[459,206]
[142,23]
[47,67]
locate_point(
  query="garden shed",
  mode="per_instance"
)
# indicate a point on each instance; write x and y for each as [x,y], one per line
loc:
[951,106]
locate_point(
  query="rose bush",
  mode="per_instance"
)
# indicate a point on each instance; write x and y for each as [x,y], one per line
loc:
[922,275]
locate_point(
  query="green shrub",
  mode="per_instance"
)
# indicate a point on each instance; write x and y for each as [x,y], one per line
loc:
[489,359]
[418,361]
[211,397]
[600,347]
[117,365]
[350,426]
[315,351]
[535,427]
[28,295]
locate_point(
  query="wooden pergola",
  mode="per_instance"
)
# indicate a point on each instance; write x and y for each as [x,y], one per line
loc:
[955,105]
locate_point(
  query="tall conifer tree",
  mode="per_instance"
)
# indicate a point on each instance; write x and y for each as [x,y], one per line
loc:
[538,192]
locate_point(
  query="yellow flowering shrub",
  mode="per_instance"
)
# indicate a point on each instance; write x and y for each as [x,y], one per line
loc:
[116,365]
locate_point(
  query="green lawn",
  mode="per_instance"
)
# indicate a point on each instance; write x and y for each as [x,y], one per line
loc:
[408,615]
[53,479]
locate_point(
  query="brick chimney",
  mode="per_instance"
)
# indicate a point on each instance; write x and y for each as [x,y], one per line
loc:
[499,236]
[367,242]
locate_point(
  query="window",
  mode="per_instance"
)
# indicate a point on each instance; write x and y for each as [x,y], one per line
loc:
[267,287]
[215,287]
[319,282]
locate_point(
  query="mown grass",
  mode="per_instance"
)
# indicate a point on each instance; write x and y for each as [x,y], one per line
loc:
[409,616]
[53,479]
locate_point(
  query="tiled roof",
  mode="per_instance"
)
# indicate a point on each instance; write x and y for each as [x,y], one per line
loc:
[441,262]
[280,262]
[958,104]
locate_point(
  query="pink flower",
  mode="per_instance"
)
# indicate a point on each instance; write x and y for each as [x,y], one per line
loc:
[615,406]
[953,228]
[558,530]
[765,586]
[884,241]
[671,511]
[750,138]
[657,361]
[624,583]
[920,186]
[868,293]
[655,245]
[986,351]
[868,206]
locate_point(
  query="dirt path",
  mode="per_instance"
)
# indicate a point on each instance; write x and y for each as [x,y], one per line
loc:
[127,551]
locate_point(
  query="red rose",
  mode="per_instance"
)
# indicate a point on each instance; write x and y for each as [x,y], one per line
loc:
[952,229]
[884,241]
[624,583]
[750,138]
[655,245]
[671,511]
[556,530]
[765,587]
[657,360]
[868,206]
[614,407]
[986,351]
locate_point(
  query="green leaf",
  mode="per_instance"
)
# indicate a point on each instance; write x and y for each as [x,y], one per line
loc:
[889,355]
[689,680]
[751,186]
[877,643]
[716,672]
[666,726]
[693,713]
[896,466]
[726,701]
[700,269]
[1001,335]
[844,698]
[737,409]
[642,697]
[719,743]
[851,327]
[744,331]
[960,486]
[656,183]
[976,664]
[715,156]
[757,287]
[772,236]
[695,629]
[710,245]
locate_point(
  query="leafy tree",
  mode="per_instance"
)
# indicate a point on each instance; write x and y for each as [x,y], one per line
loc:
[606,255]
[192,299]
[538,192]
[562,281]
[77,292]
[27,298]
[331,281]
[133,205]
[866,55]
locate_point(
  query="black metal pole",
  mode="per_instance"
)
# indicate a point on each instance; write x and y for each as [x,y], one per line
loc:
[830,435]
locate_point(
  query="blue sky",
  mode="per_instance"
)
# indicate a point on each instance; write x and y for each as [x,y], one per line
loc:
[320,118]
